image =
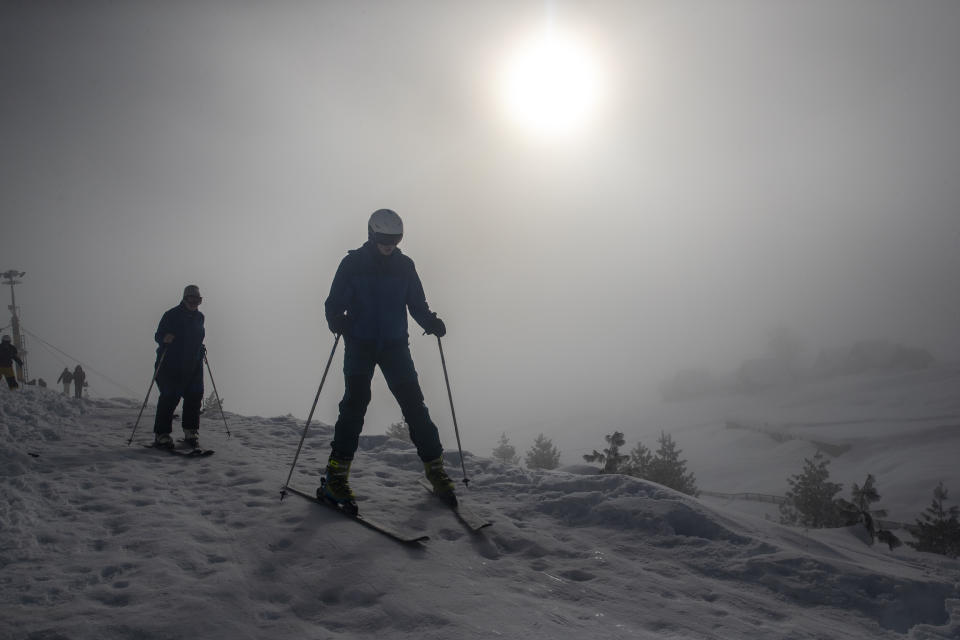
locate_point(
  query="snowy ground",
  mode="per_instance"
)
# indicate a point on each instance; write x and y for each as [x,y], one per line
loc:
[103,540]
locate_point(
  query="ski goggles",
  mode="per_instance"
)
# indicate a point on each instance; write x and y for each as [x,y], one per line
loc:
[390,239]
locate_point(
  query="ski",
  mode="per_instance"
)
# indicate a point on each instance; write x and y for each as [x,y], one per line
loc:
[467,516]
[185,453]
[390,532]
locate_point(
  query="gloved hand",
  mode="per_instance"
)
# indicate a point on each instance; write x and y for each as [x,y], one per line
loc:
[340,325]
[435,327]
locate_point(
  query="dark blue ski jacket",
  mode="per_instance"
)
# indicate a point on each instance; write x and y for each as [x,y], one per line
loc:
[375,291]
[8,355]
[185,354]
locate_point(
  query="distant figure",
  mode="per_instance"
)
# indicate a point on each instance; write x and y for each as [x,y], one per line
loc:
[890,538]
[868,523]
[180,353]
[66,378]
[79,381]
[372,290]
[8,355]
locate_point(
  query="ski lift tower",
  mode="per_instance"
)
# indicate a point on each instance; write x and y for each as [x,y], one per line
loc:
[10,278]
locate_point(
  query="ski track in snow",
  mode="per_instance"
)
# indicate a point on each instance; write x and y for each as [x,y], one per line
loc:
[103,540]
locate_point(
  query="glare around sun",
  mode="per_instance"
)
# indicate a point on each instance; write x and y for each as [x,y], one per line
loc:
[550,85]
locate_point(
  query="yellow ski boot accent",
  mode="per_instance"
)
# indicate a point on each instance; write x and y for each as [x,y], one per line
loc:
[335,486]
[443,486]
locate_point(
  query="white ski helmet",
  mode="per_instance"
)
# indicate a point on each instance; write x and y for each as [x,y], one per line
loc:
[385,227]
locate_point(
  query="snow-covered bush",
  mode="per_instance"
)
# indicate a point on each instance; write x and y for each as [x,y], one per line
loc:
[399,430]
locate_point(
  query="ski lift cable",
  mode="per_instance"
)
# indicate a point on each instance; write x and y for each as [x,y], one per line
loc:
[91,369]
[56,356]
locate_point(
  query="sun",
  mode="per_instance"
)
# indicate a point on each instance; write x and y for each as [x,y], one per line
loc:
[551,84]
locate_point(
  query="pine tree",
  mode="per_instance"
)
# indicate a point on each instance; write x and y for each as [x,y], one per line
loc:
[866,495]
[668,469]
[399,430]
[863,498]
[543,455]
[641,461]
[611,458]
[810,500]
[212,403]
[939,529]
[506,452]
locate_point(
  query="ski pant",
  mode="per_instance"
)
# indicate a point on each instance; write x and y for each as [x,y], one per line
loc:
[359,360]
[171,390]
[10,375]
[66,388]
[78,389]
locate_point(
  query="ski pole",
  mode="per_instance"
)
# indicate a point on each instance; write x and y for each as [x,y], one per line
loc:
[219,402]
[283,492]
[453,412]
[144,405]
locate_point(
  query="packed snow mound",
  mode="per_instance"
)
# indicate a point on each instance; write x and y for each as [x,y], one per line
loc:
[642,514]
[28,418]
[106,540]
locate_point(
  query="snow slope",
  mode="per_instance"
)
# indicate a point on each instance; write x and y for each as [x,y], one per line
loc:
[103,540]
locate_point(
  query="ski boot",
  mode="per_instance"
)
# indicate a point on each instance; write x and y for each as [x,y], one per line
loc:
[443,486]
[335,488]
[191,438]
[162,441]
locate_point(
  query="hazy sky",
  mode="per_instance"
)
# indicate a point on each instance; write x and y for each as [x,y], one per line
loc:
[747,164]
